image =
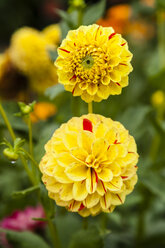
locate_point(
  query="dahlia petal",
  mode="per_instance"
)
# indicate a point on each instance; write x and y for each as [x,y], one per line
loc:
[110,135]
[99,147]
[79,191]
[95,210]
[83,85]
[76,172]
[115,184]
[65,159]
[106,80]
[101,188]
[132,145]
[85,140]
[74,206]
[122,150]
[114,61]
[105,200]
[59,147]
[92,89]
[112,153]
[85,212]
[66,192]
[70,139]
[105,175]
[77,91]
[114,88]
[91,200]
[86,97]
[79,154]
[59,202]
[115,76]
[100,130]
[124,81]
[117,199]
[91,183]
[103,91]
[115,168]
[60,176]
[130,184]
[54,188]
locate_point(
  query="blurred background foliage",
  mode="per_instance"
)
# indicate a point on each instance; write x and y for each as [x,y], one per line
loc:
[140,222]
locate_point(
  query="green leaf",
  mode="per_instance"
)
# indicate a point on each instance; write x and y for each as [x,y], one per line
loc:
[134,117]
[24,239]
[22,193]
[54,91]
[94,12]
[90,238]
[53,54]
[155,183]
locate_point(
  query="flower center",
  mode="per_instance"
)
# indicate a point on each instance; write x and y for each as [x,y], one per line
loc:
[87,62]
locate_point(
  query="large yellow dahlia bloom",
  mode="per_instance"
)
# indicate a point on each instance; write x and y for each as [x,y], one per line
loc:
[90,165]
[94,62]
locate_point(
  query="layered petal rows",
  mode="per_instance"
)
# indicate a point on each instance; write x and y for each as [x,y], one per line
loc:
[90,165]
[94,62]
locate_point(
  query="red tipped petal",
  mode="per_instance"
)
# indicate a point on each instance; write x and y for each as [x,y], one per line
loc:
[87,125]
[64,50]
[74,76]
[111,35]
[119,198]
[81,207]
[124,177]
[123,44]
[96,176]
[103,186]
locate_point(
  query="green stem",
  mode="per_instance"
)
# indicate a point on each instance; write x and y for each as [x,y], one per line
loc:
[9,127]
[90,107]
[80,17]
[85,223]
[30,136]
[30,175]
[76,106]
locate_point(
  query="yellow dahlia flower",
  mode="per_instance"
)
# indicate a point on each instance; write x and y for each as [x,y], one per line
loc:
[94,62]
[90,165]
[29,52]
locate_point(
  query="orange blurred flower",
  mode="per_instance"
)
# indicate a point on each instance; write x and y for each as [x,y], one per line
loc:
[42,111]
[117,17]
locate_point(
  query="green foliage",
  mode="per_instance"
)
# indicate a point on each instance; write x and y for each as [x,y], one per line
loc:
[89,238]
[94,12]
[25,240]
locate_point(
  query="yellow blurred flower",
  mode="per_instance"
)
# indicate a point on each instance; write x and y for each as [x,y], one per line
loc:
[52,33]
[29,53]
[13,84]
[94,62]
[117,17]
[42,111]
[90,165]
[158,98]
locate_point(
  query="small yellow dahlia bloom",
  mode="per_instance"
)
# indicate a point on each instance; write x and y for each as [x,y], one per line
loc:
[90,165]
[158,98]
[29,53]
[94,62]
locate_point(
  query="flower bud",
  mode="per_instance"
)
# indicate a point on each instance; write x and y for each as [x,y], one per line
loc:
[10,154]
